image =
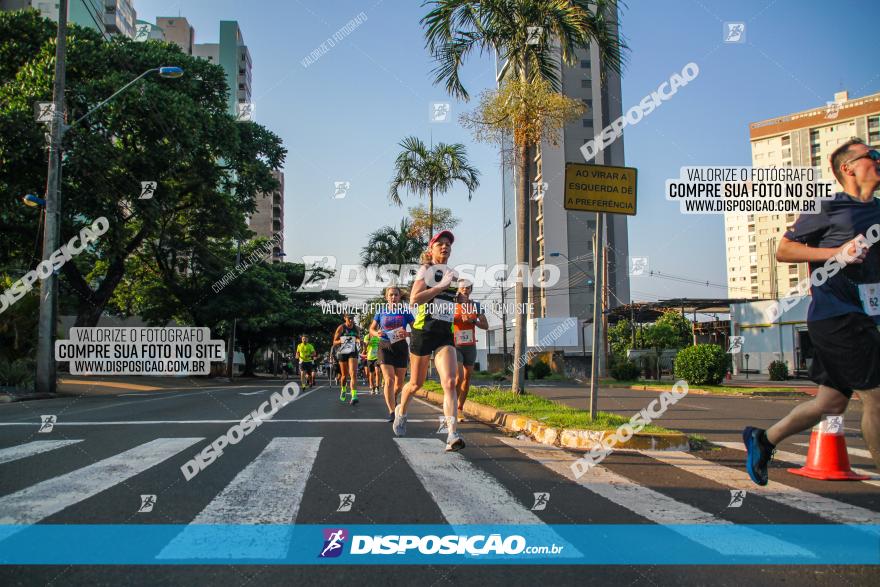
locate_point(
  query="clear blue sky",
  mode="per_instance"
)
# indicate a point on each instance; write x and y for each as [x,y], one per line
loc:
[342,117]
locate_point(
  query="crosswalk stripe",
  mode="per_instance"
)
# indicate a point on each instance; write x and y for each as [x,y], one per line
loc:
[268,491]
[30,449]
[824,507]
[32,504]
[464,493]
[658,507]
[796,459]
[468,495]
[856,452]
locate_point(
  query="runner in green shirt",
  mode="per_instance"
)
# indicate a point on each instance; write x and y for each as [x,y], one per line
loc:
[371,343]
[305,352]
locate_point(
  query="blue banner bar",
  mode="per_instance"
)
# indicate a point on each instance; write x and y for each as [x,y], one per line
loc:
[616,544]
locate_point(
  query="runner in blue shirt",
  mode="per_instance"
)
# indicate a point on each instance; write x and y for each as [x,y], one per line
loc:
[389,325]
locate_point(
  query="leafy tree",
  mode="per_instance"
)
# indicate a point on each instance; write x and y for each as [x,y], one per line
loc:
[392,246]
[177,132]
[701,364]
[454,29]
[421,221]
[682,327]
[660,336]
[427,171]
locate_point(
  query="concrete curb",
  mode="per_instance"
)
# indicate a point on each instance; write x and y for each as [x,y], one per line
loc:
[570,438]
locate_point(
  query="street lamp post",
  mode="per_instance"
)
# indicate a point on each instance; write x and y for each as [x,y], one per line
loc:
[598,310]
[45,381]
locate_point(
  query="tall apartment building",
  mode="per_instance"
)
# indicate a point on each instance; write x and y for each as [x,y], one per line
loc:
[268,220]
[177,30]
[802,139]
[233,56]
[109,17]
[552,228]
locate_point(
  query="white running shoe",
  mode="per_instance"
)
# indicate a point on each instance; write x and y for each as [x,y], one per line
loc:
[454,442]
[399,425]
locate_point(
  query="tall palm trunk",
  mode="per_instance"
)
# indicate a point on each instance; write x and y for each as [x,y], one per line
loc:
[430,212]
[522,231]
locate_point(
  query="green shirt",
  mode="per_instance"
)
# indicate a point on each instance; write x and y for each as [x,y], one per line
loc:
[306,352]
[372,343]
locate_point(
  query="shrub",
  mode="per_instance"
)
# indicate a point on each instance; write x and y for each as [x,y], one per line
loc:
[18,374]
[778,371]
[540,370]
[625,370]
[499,375]
[702,364]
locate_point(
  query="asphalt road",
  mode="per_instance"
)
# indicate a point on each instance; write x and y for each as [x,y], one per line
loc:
[107,451]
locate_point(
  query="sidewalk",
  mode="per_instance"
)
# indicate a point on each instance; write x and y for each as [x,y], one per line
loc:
[79,385]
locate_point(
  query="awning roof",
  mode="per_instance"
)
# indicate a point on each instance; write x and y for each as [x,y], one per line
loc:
[650,311]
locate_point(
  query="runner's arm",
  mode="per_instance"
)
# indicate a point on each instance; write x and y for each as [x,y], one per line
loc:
[374,328]
[482,322]
[790,251]
[336,335]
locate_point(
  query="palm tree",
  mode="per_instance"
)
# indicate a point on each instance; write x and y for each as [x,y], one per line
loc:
[392,246]
[425,171]
[529,37]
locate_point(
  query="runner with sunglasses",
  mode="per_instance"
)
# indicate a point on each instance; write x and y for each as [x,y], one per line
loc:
[844,312]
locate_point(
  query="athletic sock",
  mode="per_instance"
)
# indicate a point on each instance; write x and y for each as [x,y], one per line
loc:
[451,424]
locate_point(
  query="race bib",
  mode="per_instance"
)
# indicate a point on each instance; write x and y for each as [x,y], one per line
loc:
[870,294]
[464,337]
[395,335]
[444,311]
[347,345]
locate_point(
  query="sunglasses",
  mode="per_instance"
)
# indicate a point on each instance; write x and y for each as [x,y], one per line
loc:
[873,154]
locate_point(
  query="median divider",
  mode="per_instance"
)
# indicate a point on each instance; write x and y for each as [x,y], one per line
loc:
[569,438]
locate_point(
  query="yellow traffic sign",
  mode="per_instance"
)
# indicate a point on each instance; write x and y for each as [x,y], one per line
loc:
[600,188]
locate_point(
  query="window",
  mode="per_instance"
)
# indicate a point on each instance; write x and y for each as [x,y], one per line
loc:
[792,269]
[585,63]
[786,152]
[585,83]
[588,123]
[753,248]
[786,140]
[588,102]
[793,282]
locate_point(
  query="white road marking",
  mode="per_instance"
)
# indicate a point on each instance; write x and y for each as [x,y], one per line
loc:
[856,452]
[272,421]
[28,449]
[253,392]
[466,494]
[796,459]
[658,507]
[266,492]
[32,504]
[823,507]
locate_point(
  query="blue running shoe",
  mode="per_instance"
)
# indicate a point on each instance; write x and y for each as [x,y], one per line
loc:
[758,456]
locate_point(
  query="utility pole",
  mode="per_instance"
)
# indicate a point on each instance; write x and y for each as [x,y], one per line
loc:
[46,368]
[598,313]
[230,358]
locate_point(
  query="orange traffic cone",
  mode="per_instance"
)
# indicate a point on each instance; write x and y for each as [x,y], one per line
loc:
[827,458]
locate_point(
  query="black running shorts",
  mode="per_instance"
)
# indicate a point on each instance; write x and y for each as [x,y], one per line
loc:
[307,366]
[346,357]
[425,342]
[396,355]
[467,355]
[846,353]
